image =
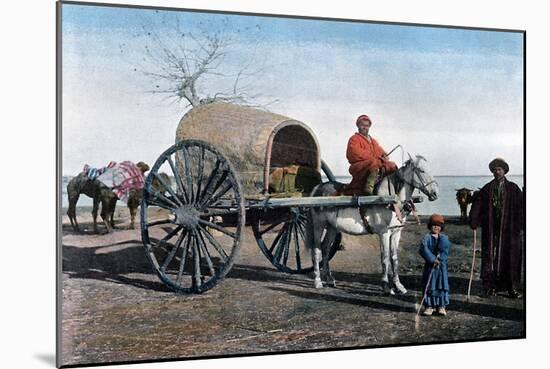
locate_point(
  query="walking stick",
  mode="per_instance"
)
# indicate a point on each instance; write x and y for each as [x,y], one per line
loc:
[473,263]
[417,317]
[426,290]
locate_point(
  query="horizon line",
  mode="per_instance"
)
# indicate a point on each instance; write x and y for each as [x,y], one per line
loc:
[452,175]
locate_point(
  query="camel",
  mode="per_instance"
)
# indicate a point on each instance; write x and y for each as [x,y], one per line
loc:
[464,197]
[100,194]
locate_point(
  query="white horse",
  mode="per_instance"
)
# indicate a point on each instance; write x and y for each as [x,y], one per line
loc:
[380,219]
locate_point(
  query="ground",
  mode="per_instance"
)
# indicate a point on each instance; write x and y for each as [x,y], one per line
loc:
[114,308]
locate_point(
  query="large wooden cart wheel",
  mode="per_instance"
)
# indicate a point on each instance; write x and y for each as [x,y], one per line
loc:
[281,235]
[186,239]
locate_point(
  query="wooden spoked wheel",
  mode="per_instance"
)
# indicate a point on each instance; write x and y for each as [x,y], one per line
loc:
[281,235]
[282,239]
[189,193]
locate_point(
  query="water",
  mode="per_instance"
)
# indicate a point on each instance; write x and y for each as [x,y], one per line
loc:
[446,203]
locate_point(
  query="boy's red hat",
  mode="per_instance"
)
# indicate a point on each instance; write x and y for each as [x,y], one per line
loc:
[436,219]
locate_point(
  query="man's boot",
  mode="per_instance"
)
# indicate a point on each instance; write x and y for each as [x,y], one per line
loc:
[370,182]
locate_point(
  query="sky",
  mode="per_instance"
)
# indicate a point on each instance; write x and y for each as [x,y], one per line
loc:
[453,95]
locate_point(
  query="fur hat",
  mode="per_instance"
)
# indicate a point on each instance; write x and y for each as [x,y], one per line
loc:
[362,118]
[144,167]
[436,219]
[499,162]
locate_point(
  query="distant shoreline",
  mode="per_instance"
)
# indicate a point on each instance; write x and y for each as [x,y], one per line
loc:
[347,175]
[449,175]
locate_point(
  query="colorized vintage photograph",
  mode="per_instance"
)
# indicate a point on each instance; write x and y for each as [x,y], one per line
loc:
[242,184]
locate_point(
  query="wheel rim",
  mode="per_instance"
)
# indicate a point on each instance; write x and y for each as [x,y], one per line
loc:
[190,248]
[282,241]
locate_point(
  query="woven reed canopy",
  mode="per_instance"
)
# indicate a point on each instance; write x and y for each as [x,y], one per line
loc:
[253,140]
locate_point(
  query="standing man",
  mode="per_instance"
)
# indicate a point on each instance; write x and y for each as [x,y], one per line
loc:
[498,209]
[367,159]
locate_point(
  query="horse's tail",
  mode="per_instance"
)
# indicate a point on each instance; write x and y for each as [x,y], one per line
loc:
[326,189]
[315,190]
[312,216]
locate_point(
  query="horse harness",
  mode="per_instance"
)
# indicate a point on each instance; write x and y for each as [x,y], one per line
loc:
[407,207]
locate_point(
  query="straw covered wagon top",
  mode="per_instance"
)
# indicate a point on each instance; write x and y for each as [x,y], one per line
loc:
[253,140]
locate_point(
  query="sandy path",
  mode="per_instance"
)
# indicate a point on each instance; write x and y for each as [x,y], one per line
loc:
[115,309]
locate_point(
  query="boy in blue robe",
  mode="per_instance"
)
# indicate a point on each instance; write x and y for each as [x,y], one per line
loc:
[434,249]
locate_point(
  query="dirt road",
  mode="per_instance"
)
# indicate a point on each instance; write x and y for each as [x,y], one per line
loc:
[116,309]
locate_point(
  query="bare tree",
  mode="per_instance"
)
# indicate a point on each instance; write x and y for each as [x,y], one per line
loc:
[183,64]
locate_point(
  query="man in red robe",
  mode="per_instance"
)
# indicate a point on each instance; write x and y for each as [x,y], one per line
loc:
[498,209]
[367,159]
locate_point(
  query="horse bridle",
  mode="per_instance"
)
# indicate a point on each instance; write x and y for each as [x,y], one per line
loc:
[424,186]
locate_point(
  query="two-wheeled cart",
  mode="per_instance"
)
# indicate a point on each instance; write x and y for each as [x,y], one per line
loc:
[222,164]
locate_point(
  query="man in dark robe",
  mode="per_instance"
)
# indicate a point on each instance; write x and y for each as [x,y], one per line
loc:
[366,158]
[498,210]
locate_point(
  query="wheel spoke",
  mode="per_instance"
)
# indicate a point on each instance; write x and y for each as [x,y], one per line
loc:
[287,244]
[221,180]
[302,231]
[216,197]
[269,228]
[278,237]
[214,243]
[177,176]
[205,253]
[182,261]
[173,252]
[196,264]
[218,228]
[283,245]
[210,179]
[188,175]
[159,222]
[210,191]
[168,188]
[297,246]
[165,204]
[200,174]
[170,234]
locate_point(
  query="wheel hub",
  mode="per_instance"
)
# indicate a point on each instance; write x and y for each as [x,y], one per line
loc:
[187,216]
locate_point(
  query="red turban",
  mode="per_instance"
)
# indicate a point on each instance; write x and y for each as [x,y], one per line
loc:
[362,117]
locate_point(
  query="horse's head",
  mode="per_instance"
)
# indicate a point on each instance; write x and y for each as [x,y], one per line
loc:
[415,173]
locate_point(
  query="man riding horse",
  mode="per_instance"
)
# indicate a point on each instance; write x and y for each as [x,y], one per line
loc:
[367,159]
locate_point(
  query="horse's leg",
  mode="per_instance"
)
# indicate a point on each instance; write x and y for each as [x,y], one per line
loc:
[94,213]
[316,254]
[105,209]
[325,248]
[133,211]
[112,208]
[71,212]
[385,259]
[394,252]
